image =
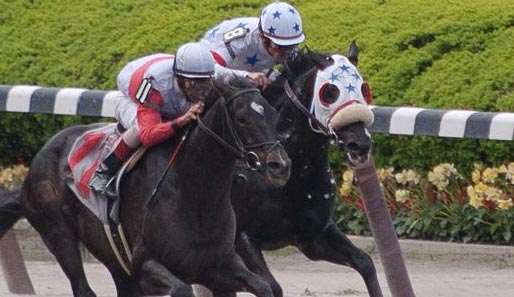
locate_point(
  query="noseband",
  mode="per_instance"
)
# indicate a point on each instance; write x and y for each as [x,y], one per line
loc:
[239,149]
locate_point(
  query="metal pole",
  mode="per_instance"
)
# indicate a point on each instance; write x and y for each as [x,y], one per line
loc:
[383,231]
[13,266]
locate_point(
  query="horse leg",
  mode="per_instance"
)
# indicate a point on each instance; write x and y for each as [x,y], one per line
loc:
[63,244]
[233,276]
[333,246]
[156,280]
[125,285]
[92,235]
[254,260]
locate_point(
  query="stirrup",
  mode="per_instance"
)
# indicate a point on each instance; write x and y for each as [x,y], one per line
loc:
[110,189]
[99,182]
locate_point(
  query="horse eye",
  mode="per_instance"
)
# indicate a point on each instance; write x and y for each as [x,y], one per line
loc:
[328,94]
[241,120]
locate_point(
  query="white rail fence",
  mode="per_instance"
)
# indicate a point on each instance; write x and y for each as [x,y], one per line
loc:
[391,120]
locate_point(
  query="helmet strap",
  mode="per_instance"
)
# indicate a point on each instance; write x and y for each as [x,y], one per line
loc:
[266,42]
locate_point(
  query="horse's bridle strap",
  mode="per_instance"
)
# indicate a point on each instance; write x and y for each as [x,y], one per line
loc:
[241,150]
[294,99]
[238,153]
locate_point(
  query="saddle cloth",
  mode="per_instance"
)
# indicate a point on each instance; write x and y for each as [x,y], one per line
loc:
[85,155]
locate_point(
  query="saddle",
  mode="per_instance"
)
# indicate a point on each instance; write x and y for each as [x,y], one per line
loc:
[85,156]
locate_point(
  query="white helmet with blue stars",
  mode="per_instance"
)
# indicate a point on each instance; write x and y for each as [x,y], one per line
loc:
[282,23]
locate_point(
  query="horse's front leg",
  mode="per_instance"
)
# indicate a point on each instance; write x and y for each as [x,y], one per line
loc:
[233,276]
[254,260]
[333,246]
[156,280]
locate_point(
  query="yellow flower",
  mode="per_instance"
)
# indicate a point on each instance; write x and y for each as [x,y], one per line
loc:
[385,173]
[480,187]
[401,178]
[12,176]
[504,204]
[402,195]
[476,202]
[489,175]
[449,169]
[492,194]
[471,191]
[348,176]
[510,172]
[475,176]
[438,178]
[345,189]
[412,176]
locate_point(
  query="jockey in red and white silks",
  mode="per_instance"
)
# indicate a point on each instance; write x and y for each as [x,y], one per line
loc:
[251,46]
[158,95]
[165,101]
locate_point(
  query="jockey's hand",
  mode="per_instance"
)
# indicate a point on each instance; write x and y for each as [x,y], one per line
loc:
[260,79]
[194,111]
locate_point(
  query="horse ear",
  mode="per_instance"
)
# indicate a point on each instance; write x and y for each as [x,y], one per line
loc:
[353,53]
[321,61]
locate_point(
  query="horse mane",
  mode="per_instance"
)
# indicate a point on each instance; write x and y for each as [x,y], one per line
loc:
[302,60]
[227,85]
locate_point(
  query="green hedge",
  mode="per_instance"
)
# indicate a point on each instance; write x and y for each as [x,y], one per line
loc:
[436,54]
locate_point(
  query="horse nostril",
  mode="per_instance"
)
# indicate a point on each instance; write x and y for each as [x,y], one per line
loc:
[358,148]
[274,165]
[353,147]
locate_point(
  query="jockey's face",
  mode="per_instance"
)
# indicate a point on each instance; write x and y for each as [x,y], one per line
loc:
[197,89]
[279,52]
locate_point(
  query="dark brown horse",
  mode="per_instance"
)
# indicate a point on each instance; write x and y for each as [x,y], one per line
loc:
[301,213]
[185,233]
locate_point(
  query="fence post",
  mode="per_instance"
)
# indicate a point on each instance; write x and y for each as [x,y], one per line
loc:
[13,266]
[383,230]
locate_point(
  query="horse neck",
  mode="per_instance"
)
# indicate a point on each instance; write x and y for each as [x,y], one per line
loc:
[308,150]
[205,168]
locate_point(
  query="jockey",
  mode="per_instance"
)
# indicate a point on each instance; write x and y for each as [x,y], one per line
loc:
[159,94]
[251,46]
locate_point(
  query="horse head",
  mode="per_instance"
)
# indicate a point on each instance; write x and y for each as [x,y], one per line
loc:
[334,97]
[250,123]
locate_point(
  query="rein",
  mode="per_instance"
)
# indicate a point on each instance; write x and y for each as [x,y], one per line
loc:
[298,104]
[294,99]
[240,150]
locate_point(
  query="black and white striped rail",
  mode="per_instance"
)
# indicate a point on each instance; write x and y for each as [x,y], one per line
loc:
[65,101]
[391,120]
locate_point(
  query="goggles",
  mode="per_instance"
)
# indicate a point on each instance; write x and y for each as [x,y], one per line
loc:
[198,88]
[200,83]
[282,48]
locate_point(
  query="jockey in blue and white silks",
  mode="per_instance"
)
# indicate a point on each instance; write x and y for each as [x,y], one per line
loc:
[251,46]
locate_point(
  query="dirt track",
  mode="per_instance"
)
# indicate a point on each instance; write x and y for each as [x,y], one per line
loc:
[435,270]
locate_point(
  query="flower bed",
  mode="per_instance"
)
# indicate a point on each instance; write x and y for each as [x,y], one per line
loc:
[439,205]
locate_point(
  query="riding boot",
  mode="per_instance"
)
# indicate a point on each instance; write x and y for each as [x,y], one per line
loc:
[106,170]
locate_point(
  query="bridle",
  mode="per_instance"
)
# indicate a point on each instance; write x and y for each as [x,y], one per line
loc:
[327,130]
[239,149]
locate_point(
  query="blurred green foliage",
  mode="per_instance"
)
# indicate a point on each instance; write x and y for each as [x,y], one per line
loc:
[434,54]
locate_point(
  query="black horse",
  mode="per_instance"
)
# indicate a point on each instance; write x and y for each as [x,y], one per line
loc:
[185,233]
[301,213]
